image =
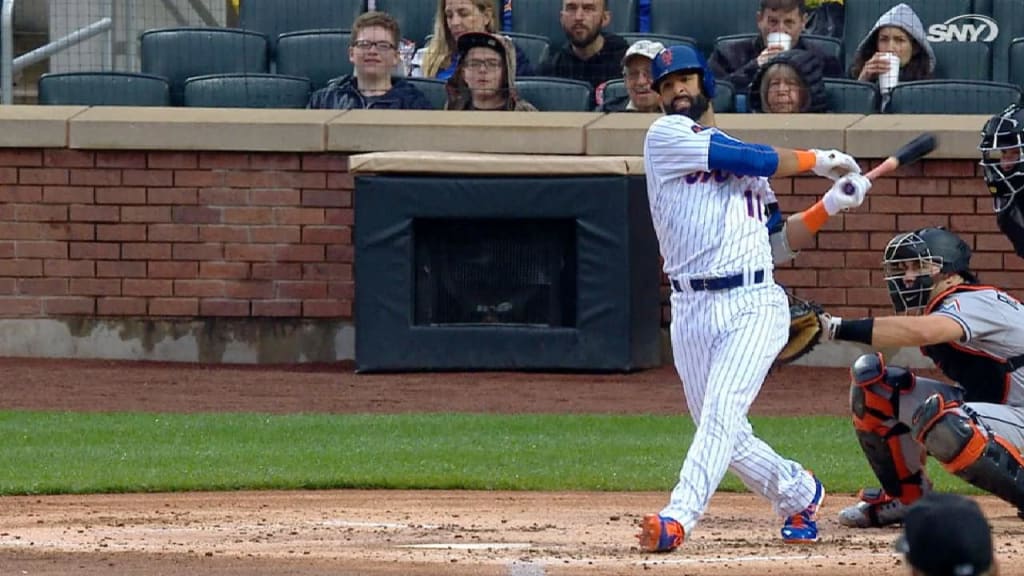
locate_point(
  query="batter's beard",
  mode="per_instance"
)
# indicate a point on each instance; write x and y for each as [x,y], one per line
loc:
[698,106]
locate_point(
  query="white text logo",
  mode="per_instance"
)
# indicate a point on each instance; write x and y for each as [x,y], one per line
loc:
[964,28]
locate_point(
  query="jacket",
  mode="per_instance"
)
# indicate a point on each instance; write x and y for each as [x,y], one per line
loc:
[903,17]
[736,62]
[343,94]
[601,67]
[459,97]
[808,67]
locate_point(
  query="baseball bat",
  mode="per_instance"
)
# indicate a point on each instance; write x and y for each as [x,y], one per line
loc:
[912,151]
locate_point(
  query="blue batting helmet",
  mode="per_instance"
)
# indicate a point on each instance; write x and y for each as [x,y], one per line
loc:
[678,58]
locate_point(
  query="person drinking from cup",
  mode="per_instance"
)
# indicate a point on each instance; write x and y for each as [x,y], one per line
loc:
[895,50]
[780,24]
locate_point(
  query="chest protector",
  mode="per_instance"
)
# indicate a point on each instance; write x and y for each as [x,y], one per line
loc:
[983,377]
[1011,223]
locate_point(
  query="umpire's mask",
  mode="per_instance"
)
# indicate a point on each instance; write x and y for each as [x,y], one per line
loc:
[913,259]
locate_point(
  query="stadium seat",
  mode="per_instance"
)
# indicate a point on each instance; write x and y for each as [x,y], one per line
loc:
[704,20]
[613,90]
[952,97]
[542,18]
[181,53]
[247,91]
[435,90]
[535,47]
[665,39]
[963,60]
[725,94]
[861,15]
[319,55]
[852,96]
[415,17]
[275,17]
[824,44]
[104,89]
[1017,62]
[555,94]
[1010,16]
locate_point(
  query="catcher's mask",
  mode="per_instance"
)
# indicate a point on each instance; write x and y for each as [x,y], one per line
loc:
[1002,140]
[913,259]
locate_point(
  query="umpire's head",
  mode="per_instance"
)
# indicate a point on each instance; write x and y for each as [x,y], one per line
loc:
[947,535]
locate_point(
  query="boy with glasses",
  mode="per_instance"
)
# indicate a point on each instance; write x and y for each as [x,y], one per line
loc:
[374,54]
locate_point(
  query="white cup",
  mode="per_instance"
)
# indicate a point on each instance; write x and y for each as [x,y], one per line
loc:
[780,39]
[887,80]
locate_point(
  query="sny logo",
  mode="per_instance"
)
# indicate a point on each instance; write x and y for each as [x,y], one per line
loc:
[964,28]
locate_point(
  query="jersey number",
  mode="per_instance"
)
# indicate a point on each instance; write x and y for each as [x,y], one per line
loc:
[755,205]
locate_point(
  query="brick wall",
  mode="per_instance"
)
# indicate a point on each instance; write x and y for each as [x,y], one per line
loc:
[175,234]
[185,234]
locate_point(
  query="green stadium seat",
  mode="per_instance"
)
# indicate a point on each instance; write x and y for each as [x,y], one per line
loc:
[319,55]
[181,53]
[247,91]
[952,97]
[415,17]
[613,90]
[541,17]
[535,47]
[275,17]
[556,94]
[704,20]
[1017,62]
[435,90]
[852,96]
[1009,14]
[963,60]
[860,16]
[104,89]
[725,96]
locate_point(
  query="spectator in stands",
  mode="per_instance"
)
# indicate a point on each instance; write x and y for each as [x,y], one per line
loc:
[440,57]
[791,82]
[374,55]
[590,54]
[485,78]
[636,69]
[947,534]
[738,62]
[899,31]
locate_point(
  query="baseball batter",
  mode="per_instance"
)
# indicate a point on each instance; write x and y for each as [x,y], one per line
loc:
[710,203]
[975,335]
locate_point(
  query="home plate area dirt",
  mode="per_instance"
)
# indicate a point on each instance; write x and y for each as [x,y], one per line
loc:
[413,532]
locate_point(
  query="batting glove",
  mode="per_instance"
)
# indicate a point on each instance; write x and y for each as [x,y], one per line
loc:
[833,164]
[848,192]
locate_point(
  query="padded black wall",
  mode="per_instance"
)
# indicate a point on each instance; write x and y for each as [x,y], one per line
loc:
[617,317]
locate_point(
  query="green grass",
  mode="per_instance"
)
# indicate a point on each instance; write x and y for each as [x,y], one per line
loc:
[51,452]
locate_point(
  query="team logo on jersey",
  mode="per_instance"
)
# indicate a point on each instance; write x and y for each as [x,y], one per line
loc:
[951,306]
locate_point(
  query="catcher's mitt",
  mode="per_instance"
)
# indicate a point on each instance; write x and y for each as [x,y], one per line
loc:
[804,329]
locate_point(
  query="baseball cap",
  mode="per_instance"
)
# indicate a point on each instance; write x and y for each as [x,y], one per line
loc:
[646,48]
[946,535]
[480,40]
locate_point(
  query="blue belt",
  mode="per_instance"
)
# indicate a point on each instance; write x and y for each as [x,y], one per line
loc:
[717,283]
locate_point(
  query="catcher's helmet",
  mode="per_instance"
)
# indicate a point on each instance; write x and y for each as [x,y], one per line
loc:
[679,58]
[910,256]
[1002,140]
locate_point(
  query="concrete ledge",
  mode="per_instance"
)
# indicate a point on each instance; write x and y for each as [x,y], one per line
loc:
[220,129]
[450,131]
[429,162]
[213,340]
[36,126]
[880,135]
[619,134]
[799,131]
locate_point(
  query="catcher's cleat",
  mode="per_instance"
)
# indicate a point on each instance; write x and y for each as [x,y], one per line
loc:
[660,534]
[875,509]
[802,527]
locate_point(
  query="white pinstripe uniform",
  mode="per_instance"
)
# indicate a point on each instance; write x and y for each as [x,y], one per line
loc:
[712,224]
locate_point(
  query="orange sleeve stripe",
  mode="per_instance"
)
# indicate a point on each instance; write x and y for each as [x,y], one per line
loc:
[805,160]
[814,218]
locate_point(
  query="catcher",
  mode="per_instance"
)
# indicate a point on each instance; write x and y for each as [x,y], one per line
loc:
[975,334]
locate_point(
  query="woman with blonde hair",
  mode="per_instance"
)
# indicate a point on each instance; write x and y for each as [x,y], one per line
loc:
[440,57]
